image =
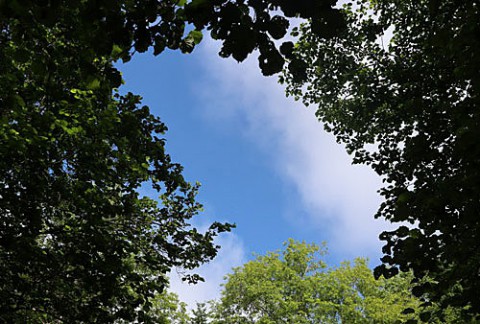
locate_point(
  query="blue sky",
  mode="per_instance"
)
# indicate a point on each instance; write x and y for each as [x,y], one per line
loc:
[264,161]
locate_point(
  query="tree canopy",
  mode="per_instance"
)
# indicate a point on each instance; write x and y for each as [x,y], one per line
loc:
[167,308]
[125,27]
[200,315]
[78,243]
[399,86]
[296,286]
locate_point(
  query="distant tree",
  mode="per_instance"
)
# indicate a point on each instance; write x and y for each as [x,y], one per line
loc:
[200,314]
[408,106]
[168,309]
[295,286]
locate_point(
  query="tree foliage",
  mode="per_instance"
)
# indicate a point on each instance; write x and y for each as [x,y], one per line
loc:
[295,286]
[126,27]
[78,242]
[168,309]
[400,87]
[200,315]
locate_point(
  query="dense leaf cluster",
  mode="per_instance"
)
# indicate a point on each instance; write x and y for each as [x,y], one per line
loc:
[125,27]
[400,87]
[77,241]
[296,286]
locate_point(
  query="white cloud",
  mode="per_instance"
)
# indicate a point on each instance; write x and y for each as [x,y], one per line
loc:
[338,196]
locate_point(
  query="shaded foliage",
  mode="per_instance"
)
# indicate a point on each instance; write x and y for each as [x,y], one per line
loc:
[400,87]
[78,242]
[126,27]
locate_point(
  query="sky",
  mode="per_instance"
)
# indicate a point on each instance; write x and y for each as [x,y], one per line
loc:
[264,162]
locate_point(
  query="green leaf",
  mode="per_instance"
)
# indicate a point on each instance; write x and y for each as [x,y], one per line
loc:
[93,84]
[196,35]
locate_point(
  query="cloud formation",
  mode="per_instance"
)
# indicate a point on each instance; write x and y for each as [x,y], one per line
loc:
[337,196]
